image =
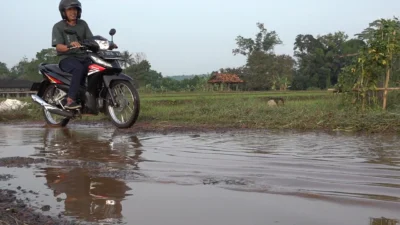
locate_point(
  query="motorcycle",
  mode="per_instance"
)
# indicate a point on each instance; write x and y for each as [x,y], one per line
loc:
[107,90]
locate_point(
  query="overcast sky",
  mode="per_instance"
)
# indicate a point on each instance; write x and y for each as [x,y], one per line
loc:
[186,36]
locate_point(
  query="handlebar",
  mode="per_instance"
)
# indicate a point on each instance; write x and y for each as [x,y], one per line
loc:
[76,47]
[72,47]
[86,47]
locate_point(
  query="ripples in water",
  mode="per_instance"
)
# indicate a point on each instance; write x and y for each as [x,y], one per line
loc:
[353,169]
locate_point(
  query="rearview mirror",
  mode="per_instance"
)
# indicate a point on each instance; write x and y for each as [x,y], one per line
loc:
[70,31]
[112,32]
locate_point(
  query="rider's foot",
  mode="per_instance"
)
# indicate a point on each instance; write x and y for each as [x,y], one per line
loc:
[71,104]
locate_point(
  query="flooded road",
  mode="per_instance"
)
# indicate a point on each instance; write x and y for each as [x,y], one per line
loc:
[100,174]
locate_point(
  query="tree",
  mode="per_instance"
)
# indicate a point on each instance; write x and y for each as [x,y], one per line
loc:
[322,58]
[368,33]
[309,52]
[265,42]
[48,55]
[19,69]
[282,71]
[260,75]
[138,57]
[263,66]
[143,75]
[377,59]
[127,59]
[28,69]
[4,71]
[352,47]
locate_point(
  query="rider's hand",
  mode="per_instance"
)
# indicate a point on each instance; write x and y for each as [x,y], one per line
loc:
[75,44]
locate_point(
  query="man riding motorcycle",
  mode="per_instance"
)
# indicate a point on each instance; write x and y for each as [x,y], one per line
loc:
[88,79]
[75,60]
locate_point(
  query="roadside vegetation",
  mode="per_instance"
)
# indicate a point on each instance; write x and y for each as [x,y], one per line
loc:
[303,110]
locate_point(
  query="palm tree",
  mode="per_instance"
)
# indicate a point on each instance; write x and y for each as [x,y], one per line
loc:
[367,33]
[127,59]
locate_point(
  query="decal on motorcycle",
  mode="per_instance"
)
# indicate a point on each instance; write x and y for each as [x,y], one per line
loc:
[95,68]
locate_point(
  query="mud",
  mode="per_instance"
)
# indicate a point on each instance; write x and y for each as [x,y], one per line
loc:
[94,173]
[6,177]
[16,211]
[144,127]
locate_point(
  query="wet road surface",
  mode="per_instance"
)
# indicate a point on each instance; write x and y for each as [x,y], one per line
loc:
[100,174]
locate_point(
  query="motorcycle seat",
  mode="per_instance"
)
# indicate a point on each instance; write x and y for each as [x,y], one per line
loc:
[54,68]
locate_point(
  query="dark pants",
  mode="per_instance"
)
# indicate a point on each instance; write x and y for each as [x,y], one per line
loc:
[79,70]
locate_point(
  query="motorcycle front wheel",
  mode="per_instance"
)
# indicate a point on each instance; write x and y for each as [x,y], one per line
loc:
[126,111]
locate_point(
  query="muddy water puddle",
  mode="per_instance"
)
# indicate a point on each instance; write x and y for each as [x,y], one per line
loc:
[99,174]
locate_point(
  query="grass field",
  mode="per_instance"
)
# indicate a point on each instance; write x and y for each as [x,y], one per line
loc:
[306,110]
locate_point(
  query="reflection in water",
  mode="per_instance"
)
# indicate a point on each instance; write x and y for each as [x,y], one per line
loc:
[383,221]
[89,196]
[91,146]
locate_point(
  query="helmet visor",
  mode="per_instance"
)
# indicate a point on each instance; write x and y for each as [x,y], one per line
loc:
[72,6]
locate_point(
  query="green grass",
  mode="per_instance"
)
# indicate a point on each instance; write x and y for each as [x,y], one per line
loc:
[301,111]
[305,110]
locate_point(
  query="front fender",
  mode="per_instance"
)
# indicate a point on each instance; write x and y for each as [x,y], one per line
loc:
[109,79]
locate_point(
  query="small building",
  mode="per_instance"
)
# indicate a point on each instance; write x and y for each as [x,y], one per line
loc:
[225,78]
[14,88]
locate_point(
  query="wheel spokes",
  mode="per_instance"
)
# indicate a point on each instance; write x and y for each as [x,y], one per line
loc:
[123,97]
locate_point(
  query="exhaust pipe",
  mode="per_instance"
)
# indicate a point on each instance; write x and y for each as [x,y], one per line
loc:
[50,108]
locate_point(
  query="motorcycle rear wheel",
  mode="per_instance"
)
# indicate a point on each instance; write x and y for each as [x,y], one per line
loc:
[51,118]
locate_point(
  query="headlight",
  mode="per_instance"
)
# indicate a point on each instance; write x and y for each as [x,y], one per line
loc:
[100,61]
[103,44]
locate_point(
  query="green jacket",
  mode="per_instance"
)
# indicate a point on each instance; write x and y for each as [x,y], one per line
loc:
[60,37]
